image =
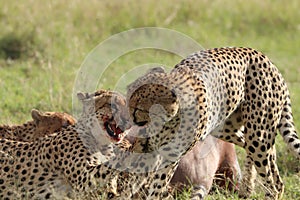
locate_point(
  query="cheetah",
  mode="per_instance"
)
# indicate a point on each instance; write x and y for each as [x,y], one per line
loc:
[43,123]
[69,162]
[236,90]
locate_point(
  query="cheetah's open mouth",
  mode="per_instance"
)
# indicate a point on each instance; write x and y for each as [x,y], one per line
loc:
[116,133]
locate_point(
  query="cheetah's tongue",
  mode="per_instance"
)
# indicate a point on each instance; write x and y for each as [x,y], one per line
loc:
[113,131]
[116,130]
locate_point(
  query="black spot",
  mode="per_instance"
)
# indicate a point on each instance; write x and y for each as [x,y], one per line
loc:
[173,155]
[263,148]
[255,143]
[42,191]
[291,140]
[288,125]
[259,155]
[286,132]
[251,149]
[265,162]
[118,165]
[269,138]
[258,133]
[6,169]
[18,153]
[262,175]
[257,164]
[258,120]
[48,196]
[142,164]
[248,125]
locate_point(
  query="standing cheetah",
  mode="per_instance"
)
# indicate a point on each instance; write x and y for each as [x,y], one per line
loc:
[237,90]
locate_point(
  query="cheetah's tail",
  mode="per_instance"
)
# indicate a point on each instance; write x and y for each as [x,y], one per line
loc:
[287,129]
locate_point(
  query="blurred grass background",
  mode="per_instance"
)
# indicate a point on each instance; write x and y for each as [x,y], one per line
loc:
[43,43]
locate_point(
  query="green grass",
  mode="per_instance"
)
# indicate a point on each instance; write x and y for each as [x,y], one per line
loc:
[43,43]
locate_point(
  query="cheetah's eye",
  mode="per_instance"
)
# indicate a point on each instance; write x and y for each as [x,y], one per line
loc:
[114,107]
[141,123]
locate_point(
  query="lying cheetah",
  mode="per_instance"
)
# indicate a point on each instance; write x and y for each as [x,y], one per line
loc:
[43,123]
[206,92]
[68,162]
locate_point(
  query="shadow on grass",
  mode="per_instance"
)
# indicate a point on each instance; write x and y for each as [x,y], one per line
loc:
[15,46]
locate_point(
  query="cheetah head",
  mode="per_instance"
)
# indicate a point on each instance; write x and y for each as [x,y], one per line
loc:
[110,109]
[50,122]
[151,99]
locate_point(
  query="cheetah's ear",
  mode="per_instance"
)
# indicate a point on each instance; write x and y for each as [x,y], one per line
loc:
[82,96]
[36,114]
[156,70]
[87,102]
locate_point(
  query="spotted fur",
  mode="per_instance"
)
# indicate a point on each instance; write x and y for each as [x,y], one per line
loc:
[43,123]
[235,92]
[69,162]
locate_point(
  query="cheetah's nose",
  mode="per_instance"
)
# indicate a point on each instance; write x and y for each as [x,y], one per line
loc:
[142,123]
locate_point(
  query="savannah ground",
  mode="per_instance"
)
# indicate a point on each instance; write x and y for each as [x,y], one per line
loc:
[43,43]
